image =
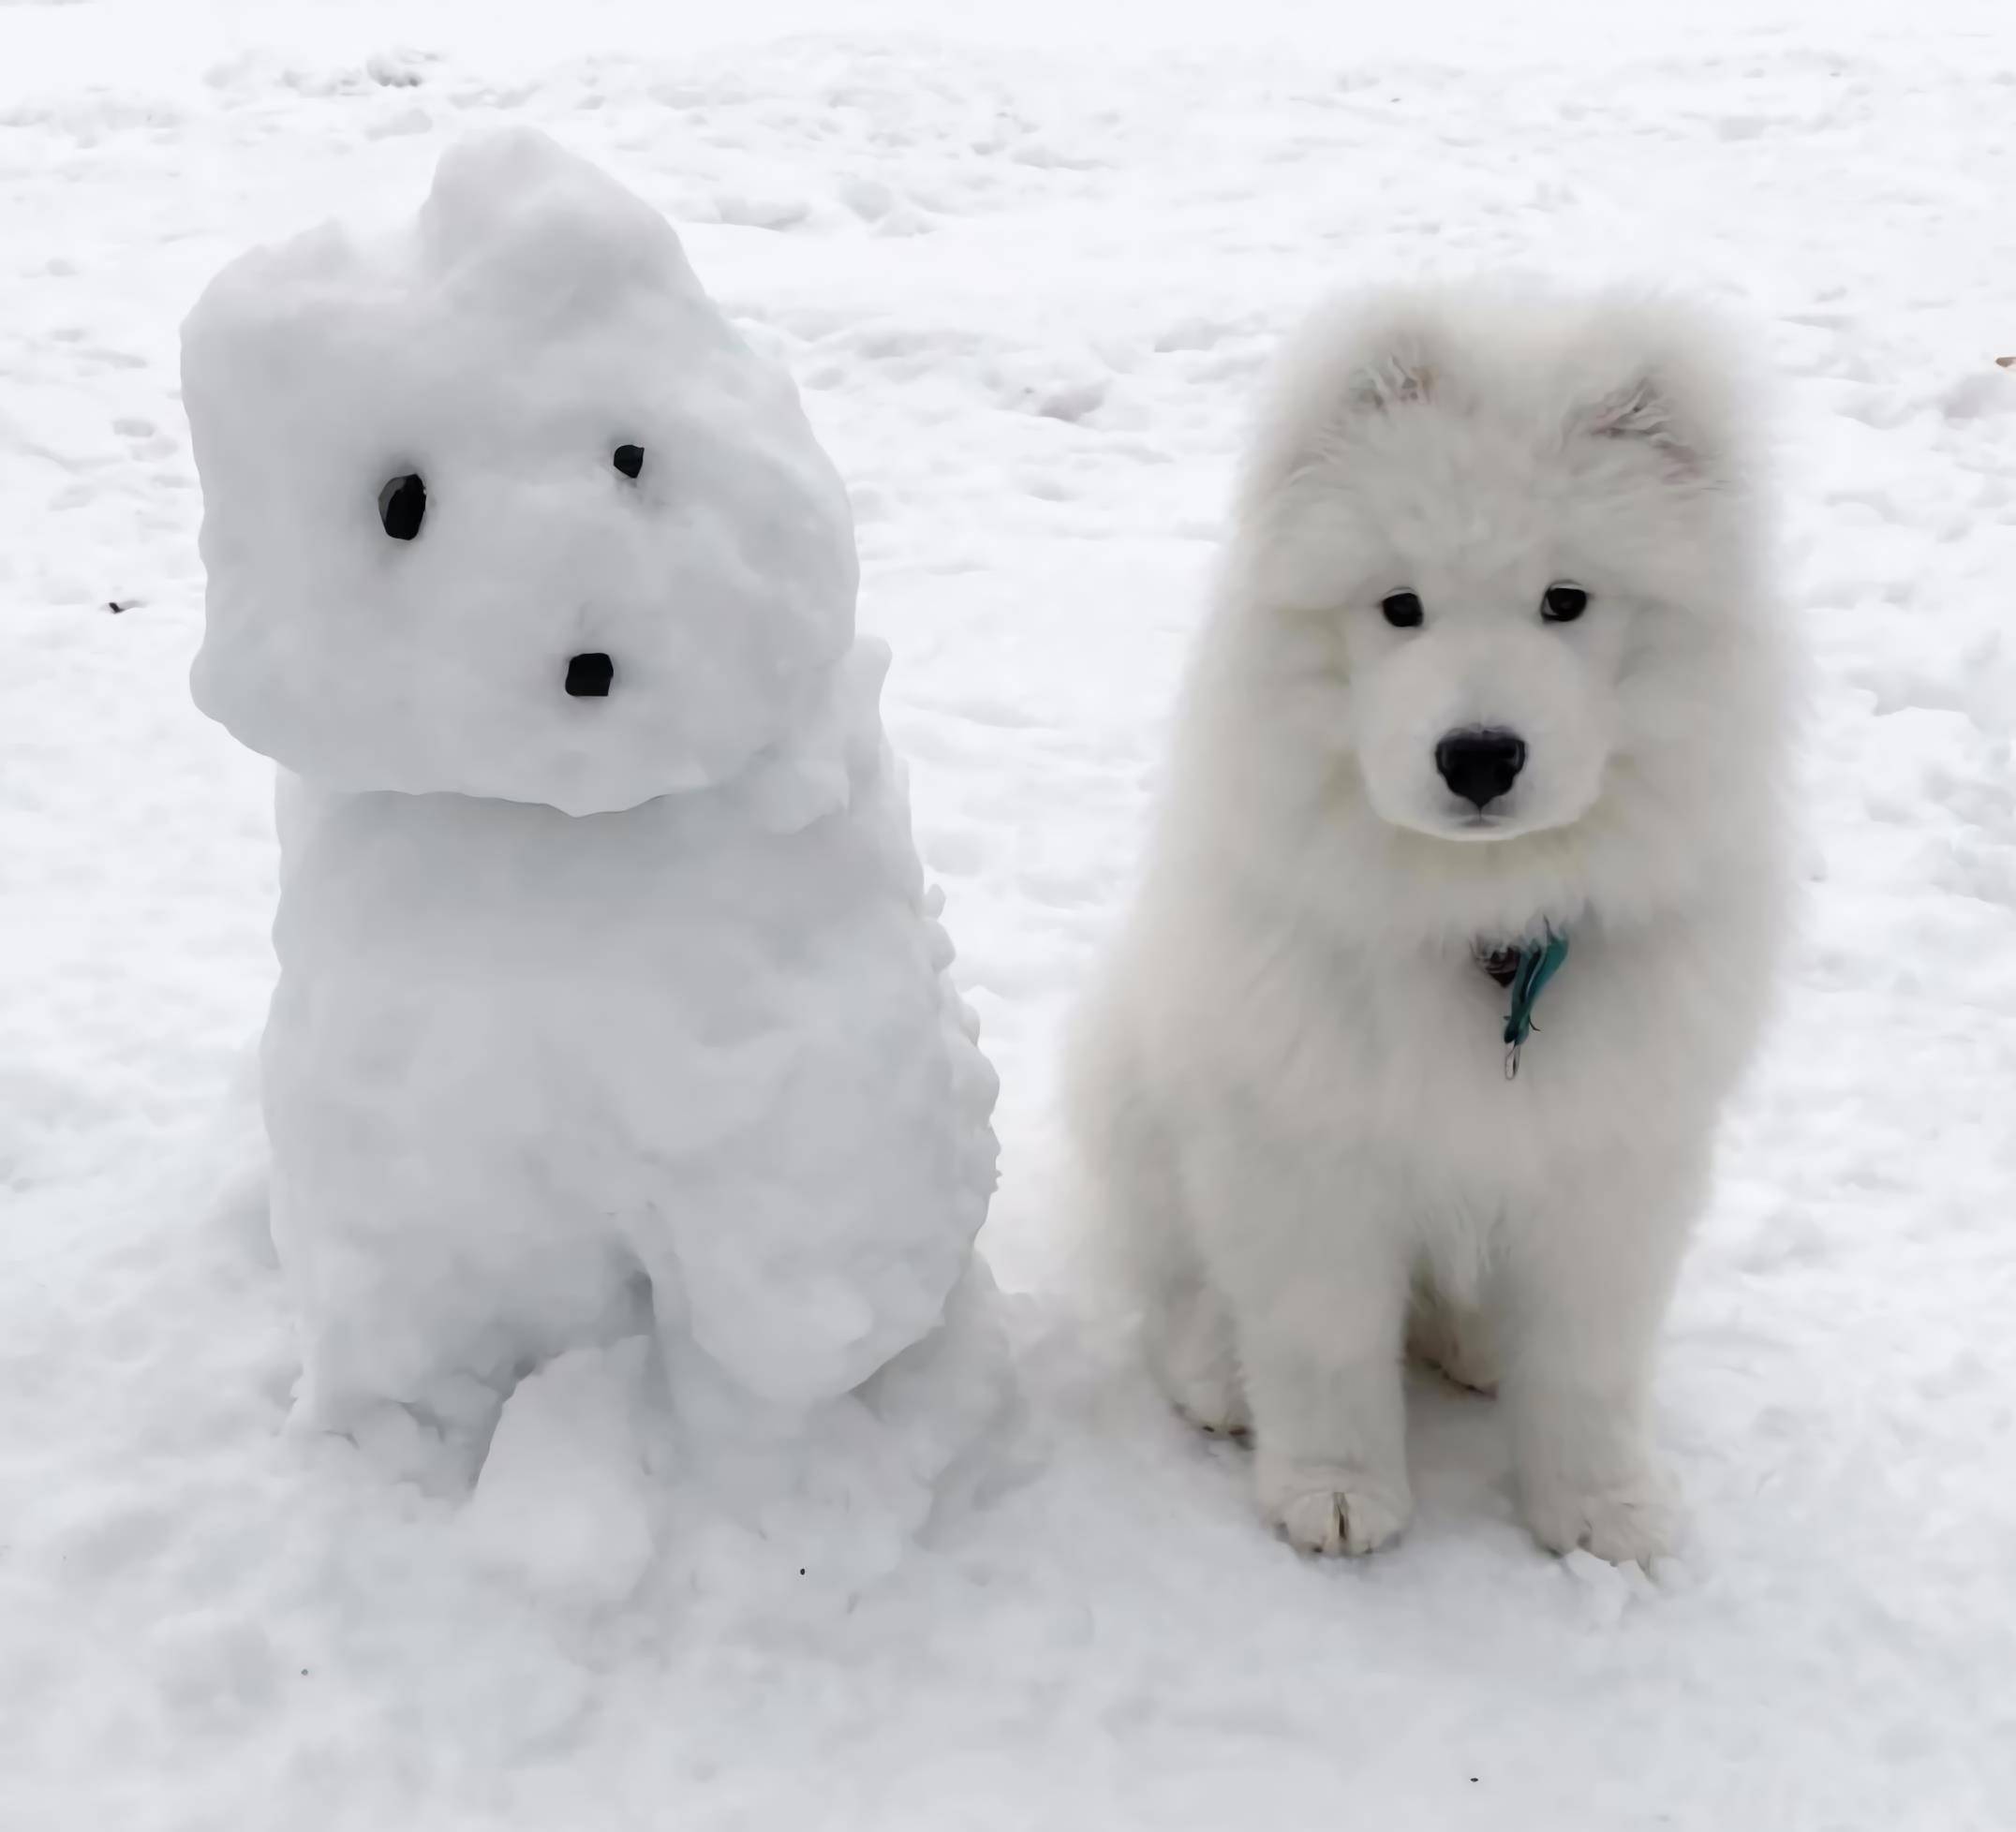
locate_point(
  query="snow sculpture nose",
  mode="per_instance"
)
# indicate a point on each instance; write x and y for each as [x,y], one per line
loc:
[588,676]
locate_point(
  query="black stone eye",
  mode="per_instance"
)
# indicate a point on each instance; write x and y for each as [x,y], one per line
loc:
[629,459]
[1402,610]
[403,506]
[1563,604]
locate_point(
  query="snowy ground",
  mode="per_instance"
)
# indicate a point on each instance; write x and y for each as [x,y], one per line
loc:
[1024,271]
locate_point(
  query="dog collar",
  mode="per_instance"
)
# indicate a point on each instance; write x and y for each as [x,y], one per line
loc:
[1523,969]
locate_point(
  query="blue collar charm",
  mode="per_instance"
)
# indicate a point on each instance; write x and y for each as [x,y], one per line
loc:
[1523,969]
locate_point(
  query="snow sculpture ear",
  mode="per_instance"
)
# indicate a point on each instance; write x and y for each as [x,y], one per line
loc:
[514,217]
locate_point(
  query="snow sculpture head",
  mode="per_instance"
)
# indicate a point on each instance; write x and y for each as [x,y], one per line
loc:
[501,505]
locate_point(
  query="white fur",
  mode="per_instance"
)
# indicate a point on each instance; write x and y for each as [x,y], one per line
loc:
[1289,1087]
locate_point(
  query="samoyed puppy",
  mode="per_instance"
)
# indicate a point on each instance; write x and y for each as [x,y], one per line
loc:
[1459,916]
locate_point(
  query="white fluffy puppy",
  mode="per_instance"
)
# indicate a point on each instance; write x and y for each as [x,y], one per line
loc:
[1485,733]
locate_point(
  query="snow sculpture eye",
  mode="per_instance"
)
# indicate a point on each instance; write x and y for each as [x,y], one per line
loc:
[1402,610]
[629,459]
[403,506]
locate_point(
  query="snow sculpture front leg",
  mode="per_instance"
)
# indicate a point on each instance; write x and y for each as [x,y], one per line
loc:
[431,1258]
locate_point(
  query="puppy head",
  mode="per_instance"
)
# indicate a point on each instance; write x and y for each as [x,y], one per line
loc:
[1507,537]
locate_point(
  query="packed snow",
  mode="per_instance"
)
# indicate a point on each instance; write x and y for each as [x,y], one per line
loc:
[608,993]
[1025,272]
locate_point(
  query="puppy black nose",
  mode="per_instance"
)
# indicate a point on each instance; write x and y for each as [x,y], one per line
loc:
[1480,765]
[588,676]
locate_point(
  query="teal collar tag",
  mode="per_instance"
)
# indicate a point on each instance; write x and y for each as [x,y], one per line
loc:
[1522,967]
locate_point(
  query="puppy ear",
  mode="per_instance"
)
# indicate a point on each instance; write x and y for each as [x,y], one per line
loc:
[1355,360]
[1668,376]
[1402,378]
[1643,410]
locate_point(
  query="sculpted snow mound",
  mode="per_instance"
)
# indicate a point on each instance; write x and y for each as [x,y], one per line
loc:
[612,1001]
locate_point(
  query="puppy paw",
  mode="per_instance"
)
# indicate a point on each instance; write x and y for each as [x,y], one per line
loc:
[1327,1509]
[1624,1522]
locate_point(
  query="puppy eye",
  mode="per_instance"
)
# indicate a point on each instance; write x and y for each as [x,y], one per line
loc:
[1563,604]
[403,506]
[629,459]
[1402,610]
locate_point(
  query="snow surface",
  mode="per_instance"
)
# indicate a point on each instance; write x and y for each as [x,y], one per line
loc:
[1026,270]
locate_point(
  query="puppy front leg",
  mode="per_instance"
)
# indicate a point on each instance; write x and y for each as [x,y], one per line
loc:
[1318,1296]
[1587,1287]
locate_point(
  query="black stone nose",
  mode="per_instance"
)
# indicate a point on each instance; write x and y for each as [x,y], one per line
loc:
[588,676]
[1480,765]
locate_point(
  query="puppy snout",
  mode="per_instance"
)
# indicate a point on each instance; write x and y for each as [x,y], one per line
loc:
[588,676]
[1480,766]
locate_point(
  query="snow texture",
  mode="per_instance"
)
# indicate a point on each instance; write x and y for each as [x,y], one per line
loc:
[541,1071]
[1026,263]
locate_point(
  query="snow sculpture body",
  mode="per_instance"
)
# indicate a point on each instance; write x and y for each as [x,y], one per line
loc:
[611,996]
